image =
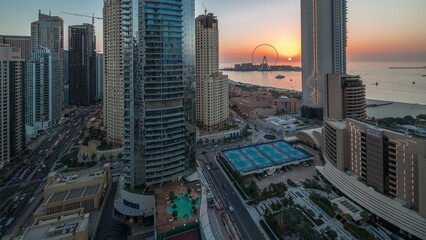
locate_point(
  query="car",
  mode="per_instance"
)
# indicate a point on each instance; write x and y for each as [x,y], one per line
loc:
[231,208]
[31,200]
[23,196]
[9,222]
[204,152]
[16,206]
[16,198]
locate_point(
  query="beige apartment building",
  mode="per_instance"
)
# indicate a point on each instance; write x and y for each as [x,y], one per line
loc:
[70,225]
[65,192]
[12,128]
[112,87]
[382,170]
[212,92]
[344,97]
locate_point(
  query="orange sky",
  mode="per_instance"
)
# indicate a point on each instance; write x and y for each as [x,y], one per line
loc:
[391,30]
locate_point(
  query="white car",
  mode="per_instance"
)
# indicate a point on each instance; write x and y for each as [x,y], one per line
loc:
[31,200]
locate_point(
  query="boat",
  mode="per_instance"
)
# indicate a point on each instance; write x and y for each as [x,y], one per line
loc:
[414,82]
[377,83]
[280,76]
[423,75]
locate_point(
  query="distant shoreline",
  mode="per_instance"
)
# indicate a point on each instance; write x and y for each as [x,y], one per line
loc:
[375,108]
[266,87]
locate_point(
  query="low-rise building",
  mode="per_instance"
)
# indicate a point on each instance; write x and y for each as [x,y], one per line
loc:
[70,225]
[291,105]
[85,189]
[253,107]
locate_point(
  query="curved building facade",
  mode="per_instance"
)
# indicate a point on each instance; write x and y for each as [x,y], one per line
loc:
[323,49]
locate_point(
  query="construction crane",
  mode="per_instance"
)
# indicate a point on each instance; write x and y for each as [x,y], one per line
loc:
[81,15]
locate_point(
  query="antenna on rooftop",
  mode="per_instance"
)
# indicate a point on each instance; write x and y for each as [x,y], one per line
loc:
[205,9]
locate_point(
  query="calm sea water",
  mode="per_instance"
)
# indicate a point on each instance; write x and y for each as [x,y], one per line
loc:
[393,84]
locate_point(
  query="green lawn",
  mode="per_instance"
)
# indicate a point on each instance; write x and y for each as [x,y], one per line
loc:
[270,137]
[359,233]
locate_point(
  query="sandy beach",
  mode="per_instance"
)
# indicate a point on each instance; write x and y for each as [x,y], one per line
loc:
[394,109]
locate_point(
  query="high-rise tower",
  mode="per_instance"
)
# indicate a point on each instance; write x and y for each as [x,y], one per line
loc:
[82,64]
[113,104]
[158,89]
[48,33]
[323,49]
[212,95]
[12,129]
[42,92]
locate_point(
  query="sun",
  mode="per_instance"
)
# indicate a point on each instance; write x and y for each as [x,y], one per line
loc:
[289,59]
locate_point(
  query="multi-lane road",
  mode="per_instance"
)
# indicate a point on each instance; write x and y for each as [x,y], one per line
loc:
[236,207]
[20,193]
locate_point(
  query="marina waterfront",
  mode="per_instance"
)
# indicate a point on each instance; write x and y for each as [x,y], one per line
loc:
[396,85]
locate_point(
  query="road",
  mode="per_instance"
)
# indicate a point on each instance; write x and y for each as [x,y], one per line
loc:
[34,168]
[241,217]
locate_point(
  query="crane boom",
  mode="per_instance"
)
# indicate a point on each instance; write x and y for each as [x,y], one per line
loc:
[82,15]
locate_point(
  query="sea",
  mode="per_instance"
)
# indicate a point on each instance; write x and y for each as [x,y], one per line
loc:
[395,85]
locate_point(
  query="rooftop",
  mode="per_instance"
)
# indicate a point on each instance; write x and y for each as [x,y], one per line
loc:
[74,193]
[59,180]
[258,157]
[58,228]
[388,209]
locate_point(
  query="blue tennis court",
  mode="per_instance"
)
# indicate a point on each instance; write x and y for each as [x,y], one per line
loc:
[259,156]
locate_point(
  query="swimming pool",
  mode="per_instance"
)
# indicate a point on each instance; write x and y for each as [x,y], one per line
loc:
[264,155]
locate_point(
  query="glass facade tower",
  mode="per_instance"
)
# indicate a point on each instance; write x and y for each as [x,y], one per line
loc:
[158,56]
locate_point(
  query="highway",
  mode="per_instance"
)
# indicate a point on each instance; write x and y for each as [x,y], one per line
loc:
[241,217]
[28,183]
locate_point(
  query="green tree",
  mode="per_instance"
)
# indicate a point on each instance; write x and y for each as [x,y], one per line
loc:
[327,189]
[174,206]
[189,190]
[365,216]
[172,196]
[175,214]
[93,156]
[119,156]
[102,158]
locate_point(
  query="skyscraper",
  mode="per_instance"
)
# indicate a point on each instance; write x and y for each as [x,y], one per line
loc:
[158,75]
[99,74]
[42,91]
[212,94]
[22,42]
[112,85]
[82,64]
[12,129]
[323,49]
[344,97]
[48,32]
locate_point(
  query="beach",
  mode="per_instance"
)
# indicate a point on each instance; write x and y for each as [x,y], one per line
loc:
[393,109]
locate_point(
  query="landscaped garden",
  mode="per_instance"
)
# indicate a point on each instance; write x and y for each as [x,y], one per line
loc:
[270,137]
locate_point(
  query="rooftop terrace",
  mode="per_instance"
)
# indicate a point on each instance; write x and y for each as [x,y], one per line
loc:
[260,157]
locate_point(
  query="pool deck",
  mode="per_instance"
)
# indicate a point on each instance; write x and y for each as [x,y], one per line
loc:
[162,197]
[264,156]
